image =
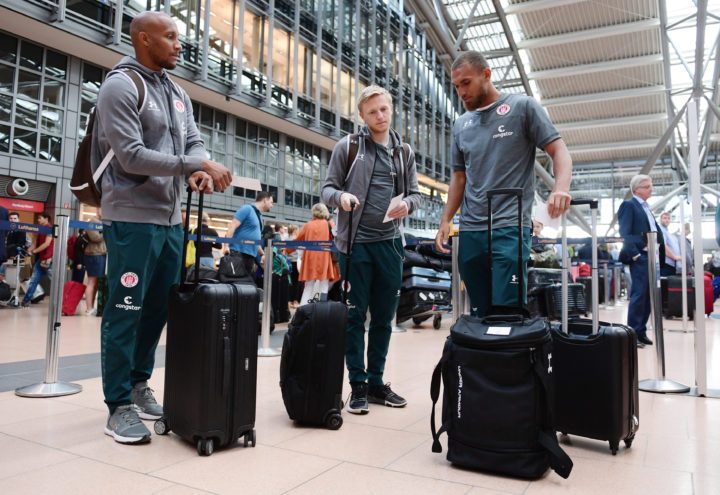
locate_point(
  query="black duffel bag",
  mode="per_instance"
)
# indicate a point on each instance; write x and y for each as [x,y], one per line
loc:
[497,397]
[423,260]
[231,269]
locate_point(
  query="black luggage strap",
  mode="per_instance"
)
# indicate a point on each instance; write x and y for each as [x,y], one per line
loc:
[560,462]
[435,395]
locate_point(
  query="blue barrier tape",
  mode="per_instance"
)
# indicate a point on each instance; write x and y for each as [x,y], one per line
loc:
[585,240]
[79,224]
[328,246]
[26,227]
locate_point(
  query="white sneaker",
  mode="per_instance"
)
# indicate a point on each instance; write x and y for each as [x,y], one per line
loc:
[91,312]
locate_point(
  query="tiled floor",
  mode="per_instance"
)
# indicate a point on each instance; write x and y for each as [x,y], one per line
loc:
[56,446]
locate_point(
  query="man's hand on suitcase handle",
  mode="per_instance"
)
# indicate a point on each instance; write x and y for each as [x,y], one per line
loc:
[200,181]
[558,203]
[348,201]
[220,175]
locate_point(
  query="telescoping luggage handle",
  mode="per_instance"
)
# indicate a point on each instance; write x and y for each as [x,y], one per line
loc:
[517,192]
[593,203]
[186,233]
[344,283]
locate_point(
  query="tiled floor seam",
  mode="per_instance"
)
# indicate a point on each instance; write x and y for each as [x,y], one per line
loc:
[341,460]
[40,468]
[339,463]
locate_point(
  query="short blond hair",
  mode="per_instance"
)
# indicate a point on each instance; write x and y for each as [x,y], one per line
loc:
[319,210]
[371,91]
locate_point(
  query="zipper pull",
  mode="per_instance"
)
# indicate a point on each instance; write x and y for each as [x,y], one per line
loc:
[532,355]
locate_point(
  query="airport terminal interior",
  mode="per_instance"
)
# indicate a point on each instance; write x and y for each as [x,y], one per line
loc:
[631,86]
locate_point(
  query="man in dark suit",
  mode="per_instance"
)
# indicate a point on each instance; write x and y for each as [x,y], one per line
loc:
[636,219]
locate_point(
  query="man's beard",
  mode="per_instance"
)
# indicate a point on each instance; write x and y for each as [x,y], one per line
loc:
[476,102]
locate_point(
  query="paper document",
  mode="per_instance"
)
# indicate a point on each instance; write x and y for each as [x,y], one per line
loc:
[246,182]
[394,203]
[542,216]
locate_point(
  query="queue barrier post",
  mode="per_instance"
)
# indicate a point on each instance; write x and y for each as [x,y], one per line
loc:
[661,383]
[50,387]
[265,350]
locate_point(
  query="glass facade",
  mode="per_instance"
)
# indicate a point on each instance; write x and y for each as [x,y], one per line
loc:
[304,60]
[32,99]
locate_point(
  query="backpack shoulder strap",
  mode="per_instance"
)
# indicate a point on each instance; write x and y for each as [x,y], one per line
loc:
[137,80]
[139,83]
[560,462]
[353,143]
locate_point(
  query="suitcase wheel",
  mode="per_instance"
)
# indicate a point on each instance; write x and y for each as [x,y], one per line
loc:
[614,446]
[629,441]
[437,319]
[161,427]
[249,438]
[333,421]
[205,446]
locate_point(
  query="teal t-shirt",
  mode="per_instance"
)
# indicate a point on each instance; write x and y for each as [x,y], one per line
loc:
[495,147]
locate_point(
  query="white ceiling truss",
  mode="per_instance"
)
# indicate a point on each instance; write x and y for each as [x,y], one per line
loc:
[612,74]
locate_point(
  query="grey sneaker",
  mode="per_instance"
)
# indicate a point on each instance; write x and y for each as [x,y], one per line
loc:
[144,402]
[125,426]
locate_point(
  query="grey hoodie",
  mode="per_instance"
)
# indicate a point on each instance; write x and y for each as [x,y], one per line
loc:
[155,147]
[355,179]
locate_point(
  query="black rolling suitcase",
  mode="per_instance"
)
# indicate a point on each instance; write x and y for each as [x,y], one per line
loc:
[211,360]
[313,359]
[553,300]
[671,290]
[497,388]
[595,375]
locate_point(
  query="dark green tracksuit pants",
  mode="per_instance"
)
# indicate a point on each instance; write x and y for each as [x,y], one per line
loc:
[474,264]
[375,276]
[143,263]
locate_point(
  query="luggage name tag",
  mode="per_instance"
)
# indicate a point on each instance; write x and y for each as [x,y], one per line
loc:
[498,331]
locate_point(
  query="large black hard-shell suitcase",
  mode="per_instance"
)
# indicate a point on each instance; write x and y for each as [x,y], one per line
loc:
[596,384]
[595,376]
[311,366]
[211,362]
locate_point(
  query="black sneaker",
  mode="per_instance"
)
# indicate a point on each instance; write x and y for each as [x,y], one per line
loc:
[358,403]
[383,395]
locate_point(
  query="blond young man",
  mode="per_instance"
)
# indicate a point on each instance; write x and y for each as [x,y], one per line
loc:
[382,169]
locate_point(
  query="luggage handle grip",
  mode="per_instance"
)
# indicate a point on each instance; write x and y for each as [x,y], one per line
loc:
[585,201]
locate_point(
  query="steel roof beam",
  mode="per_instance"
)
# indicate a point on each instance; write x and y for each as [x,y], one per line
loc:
[667,74]
[632,119]
[575,70]
[655,154]
[511,42]
[602,96]
[589,34]
[700,46]
[534,5]
[461,36]
[615,145]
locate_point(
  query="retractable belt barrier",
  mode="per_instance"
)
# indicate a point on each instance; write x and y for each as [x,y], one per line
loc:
[50,387]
